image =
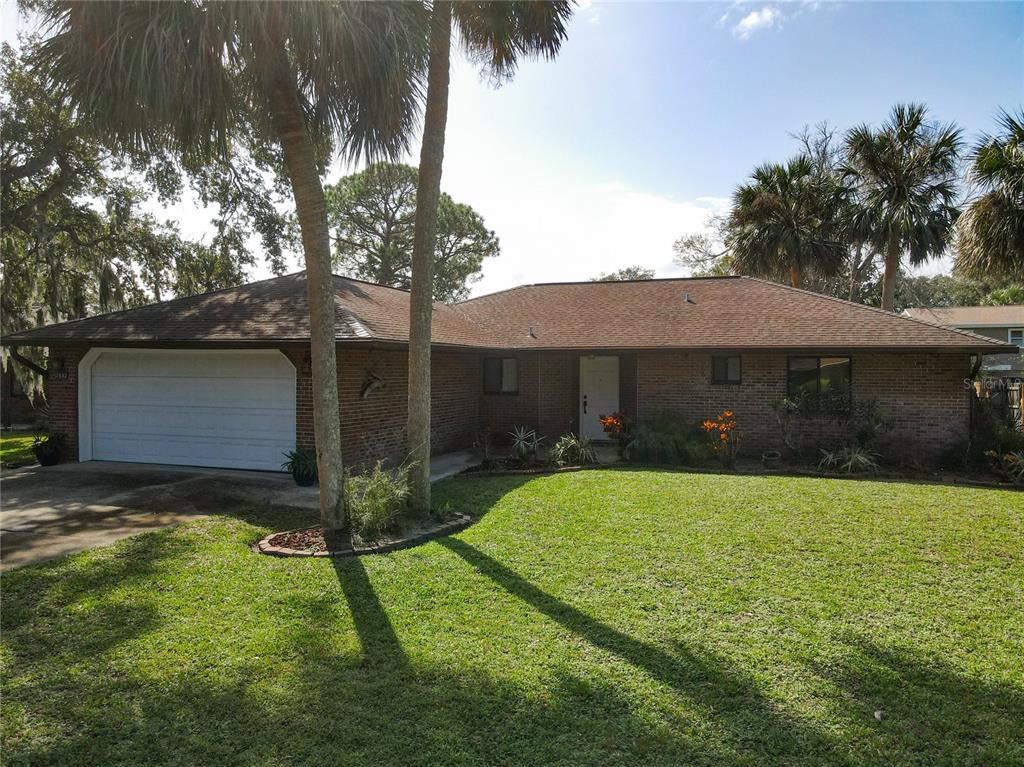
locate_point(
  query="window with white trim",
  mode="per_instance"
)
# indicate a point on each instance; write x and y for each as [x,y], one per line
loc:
[1016,336]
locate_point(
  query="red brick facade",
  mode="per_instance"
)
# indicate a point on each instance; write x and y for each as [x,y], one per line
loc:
[922,393]
[373,426]
[62,396]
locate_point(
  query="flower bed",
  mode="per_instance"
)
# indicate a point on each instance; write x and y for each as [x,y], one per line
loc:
[310,542]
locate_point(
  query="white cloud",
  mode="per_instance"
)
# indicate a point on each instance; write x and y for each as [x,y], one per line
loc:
[571,229]
[766,18]
[587,10]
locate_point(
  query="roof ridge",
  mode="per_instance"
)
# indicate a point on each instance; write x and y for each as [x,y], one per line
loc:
[597,282]
[963,306]
[875,309]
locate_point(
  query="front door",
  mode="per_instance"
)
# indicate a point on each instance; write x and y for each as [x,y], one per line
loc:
[599,393]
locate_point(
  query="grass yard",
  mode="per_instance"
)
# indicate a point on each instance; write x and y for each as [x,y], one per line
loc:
[614,617]
[16,445]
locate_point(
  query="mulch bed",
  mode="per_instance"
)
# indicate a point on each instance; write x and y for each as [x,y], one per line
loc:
[310,542]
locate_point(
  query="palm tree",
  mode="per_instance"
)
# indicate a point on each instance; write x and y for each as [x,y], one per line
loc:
[905,173]
[990,232]
[496,34]
[196,78]
[786,223]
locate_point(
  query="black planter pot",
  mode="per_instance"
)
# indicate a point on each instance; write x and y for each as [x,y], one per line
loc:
[303,479]
[46,455]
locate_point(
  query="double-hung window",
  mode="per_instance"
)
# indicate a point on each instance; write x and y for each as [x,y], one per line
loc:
[501,375]
[726,370]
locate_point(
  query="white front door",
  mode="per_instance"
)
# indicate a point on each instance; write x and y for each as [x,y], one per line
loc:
[228,409]
[599,393]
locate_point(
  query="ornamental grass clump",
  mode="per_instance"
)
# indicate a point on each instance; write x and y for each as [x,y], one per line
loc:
[723,437]
[849,460]
[571,450]
[376,500]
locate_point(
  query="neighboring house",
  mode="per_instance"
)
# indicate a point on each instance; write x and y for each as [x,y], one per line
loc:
[1003,323]
[223,379]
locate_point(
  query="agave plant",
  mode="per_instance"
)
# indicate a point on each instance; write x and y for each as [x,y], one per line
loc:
[573,450]
[525,443]
[849,460]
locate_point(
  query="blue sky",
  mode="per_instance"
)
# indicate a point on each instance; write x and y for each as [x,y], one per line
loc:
[654,112]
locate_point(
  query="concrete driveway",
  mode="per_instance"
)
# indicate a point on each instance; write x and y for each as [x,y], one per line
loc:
[47,512]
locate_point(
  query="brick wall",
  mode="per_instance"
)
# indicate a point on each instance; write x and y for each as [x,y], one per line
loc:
[61,389]
[501,412]
[546,401]
[558,383]
[922,394]
[374,427]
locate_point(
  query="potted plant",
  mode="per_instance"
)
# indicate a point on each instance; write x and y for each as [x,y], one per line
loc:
[47,448]
[302,465]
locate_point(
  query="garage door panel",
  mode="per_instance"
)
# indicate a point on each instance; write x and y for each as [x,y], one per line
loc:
[227,422]
[172,365]
[224,410]
[197,392]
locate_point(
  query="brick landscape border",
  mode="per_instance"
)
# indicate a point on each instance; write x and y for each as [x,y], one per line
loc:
[438,530]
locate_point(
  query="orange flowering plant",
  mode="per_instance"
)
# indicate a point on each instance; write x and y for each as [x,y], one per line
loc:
[723,436]
[619,427]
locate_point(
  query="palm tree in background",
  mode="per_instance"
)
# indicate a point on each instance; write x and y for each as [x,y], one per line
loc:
[787,223]
[497,35]
[990,231]
[906,176]
[305,77]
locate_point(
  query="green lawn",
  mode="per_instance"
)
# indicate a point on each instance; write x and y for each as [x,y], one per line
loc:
[16,445]
[615,617]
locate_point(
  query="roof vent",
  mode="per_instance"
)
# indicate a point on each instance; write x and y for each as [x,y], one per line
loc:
[688,298]
[530,332]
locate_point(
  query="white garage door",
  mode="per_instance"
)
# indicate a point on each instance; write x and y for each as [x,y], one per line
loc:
[224,409]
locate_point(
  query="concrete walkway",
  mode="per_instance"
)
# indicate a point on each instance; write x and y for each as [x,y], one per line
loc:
[49,512]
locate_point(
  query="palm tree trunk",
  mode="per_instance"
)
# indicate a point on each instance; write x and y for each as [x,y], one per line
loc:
[421,294]
[892,266]
[303,172]
[796,278]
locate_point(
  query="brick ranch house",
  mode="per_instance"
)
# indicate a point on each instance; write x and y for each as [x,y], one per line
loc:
[223,379]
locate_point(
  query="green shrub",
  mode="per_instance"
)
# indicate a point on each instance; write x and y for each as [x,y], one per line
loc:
[1007,466]
[301,462]
[667,441]
[376,500]
[571,450]
[849,460]
[992,430]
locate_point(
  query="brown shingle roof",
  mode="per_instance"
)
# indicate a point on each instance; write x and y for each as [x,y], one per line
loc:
[261,312]
[971,316]
[721,313]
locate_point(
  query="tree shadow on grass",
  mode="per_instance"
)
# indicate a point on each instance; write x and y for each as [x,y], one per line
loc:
[755,727]
[318,705]
[334,684]
[930,714]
